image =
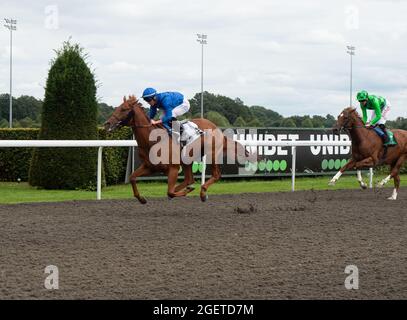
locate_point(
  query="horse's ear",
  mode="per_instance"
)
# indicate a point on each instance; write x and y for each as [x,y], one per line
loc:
[124,98]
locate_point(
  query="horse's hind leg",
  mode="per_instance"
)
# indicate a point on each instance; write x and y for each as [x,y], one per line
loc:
[215,177]
[188,179]
[396,177]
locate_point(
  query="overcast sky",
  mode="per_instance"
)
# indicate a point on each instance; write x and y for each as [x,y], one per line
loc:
[289,56]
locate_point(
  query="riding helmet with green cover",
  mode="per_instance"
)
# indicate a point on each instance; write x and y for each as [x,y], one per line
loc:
[362,95]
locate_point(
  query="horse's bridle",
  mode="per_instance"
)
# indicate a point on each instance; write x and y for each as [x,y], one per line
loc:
[128,118]
[344,127]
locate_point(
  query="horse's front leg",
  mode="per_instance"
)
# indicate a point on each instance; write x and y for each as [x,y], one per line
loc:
[143,170]
[172,180]
[351,163]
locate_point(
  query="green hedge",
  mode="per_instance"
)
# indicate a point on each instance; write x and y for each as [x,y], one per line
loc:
[69,111]
[115,158]
[15,162]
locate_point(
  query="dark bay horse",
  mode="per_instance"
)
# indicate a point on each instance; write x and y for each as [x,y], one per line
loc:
[132,114]
[368,150]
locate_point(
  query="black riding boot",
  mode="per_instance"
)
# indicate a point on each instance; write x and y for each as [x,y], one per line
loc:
[385,138]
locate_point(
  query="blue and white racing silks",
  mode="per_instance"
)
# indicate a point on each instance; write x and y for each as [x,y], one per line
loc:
[166,101]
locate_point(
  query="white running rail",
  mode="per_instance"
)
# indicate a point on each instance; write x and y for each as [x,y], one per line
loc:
[100,144]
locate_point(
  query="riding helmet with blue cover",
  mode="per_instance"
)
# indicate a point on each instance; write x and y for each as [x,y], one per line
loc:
[149,93]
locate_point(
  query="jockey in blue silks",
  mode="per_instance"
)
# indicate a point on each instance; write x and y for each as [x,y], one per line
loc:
[172,103]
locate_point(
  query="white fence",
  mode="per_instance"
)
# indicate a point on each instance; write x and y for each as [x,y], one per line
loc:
[73,144]
[132,143]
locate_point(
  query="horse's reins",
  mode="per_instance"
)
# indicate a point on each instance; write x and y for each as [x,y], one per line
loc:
[352,127]
[128,118]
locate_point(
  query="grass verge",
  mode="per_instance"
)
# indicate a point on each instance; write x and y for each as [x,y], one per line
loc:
[12,192]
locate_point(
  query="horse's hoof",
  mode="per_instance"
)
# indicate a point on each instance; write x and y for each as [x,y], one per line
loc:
[142,200]
[331,183]
[363,186]
[204,198]
[170,198]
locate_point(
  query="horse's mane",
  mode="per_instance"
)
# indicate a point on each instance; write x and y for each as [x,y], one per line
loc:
[352,110]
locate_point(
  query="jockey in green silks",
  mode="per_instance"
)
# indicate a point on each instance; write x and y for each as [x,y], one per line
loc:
[380,107]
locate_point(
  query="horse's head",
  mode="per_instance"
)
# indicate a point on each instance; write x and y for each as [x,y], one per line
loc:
[346,120]
[122,115]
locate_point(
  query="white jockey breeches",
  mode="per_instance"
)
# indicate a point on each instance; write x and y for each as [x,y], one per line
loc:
[385,114]
[181,109]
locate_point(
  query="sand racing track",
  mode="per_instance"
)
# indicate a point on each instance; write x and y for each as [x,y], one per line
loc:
[249,246]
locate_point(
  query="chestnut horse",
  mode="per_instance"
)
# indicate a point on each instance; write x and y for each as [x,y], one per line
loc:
[131,113]
[368,150]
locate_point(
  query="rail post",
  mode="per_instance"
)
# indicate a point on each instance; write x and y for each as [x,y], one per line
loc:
[371,178]
[203,169]
[293,167]
[99,174]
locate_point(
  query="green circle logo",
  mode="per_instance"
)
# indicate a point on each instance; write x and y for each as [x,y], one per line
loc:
[262,165]
[200,167]
[269,165]
[324,164]
[331,164]
[283,165]
[344,161]
[337,164]
[276,165]
[195,167]
[247,166]
[254,166]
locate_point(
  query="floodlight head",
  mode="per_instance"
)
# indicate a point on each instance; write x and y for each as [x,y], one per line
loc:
[204,36]
[13,21]
[7,20]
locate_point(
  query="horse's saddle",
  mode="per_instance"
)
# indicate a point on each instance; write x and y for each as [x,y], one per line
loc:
[189,132]
[380,133]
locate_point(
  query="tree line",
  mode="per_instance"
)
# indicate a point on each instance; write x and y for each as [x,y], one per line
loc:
[27,112]
[222,110]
